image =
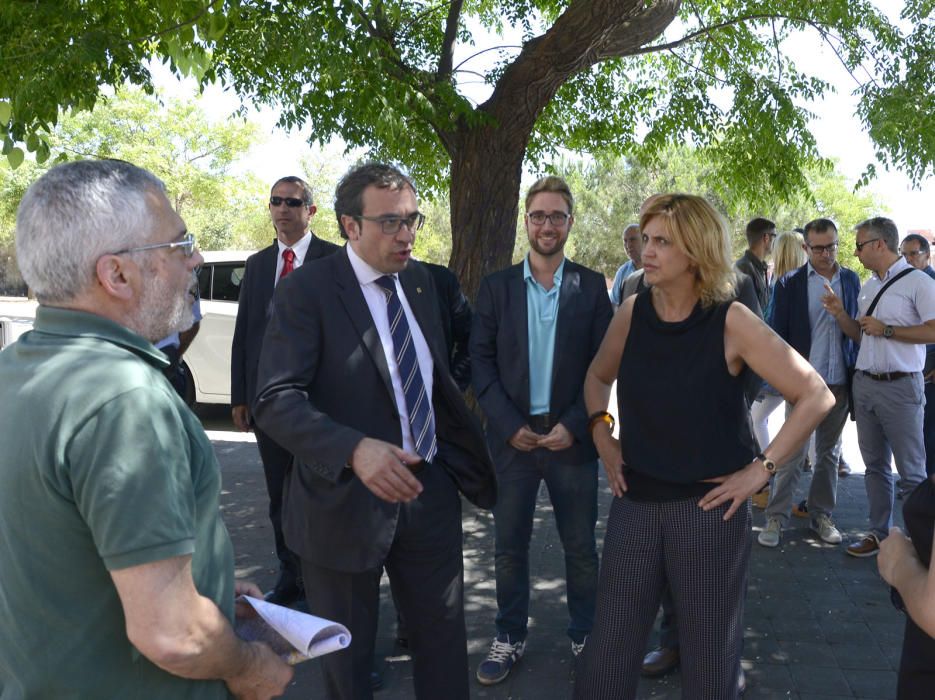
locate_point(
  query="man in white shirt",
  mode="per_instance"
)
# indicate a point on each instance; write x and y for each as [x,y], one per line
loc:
[888,389]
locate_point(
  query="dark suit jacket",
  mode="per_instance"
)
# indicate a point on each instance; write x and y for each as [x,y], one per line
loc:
[456,322]
[324,385]
[500,358]
[256,294]
[790,311]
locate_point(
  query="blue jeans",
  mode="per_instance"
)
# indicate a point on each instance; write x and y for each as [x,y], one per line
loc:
[573,493]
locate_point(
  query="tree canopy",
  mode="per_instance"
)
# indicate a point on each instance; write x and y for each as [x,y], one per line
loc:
[620,76]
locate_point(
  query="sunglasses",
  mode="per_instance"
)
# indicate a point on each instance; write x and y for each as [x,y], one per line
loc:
[292,202]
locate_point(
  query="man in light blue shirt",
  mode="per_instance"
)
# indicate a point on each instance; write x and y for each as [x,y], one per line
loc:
[633,242]
[537,325]
[799,317]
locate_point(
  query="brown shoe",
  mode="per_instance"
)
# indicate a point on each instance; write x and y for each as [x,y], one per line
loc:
[800,509]
[659,662]
[868,546]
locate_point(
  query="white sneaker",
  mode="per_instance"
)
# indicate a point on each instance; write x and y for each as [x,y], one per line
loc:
[825,529]
[769,535]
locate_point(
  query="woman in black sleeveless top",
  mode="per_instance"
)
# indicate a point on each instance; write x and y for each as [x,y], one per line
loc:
[686,462]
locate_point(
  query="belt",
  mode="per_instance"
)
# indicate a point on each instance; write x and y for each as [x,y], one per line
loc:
[886,376]
[542,424]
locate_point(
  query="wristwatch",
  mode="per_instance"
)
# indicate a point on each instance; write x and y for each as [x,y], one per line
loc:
[769,464]
[888,331]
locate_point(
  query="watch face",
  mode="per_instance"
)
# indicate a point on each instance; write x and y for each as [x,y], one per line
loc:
[887,331]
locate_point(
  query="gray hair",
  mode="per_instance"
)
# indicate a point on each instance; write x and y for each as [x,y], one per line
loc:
[74,214]
[882,228]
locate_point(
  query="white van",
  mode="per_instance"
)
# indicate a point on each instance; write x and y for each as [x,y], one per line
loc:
[208,361]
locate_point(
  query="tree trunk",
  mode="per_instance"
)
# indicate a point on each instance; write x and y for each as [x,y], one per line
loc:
[486,169]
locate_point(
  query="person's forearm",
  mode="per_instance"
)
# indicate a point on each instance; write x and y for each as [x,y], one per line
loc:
[204,647]
[596,393]
[917,335]
[916,586]
[849,325]
[809,411]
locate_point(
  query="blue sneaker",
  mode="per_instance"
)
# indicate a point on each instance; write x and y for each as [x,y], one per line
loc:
[500,660]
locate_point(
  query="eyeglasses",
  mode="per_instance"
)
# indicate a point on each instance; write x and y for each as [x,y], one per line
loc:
[913,253]
[186,244]
[556,218]
[392,224]
[291,202]
[860,246]
[822,249]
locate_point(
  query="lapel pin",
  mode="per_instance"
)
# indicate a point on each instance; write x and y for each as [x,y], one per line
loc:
[419,290]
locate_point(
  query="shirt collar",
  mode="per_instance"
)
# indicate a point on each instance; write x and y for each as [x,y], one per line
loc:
[896,267]
[556,277]
[56,320]
[813,271]
[300,248]
[362,270]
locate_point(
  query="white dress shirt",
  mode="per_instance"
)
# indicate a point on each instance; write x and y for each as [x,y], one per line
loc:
[376,302]
[909,302]
[300,249]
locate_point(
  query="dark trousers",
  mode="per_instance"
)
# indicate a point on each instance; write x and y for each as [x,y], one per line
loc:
[647,545]
[426,574]
[276,461]
[928,428]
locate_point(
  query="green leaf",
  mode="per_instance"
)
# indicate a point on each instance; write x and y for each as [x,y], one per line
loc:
[6,111]
[32,143]
[15,157]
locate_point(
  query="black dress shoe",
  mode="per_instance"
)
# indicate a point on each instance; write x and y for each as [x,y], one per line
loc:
[659,662]
[288,590]
[376,680]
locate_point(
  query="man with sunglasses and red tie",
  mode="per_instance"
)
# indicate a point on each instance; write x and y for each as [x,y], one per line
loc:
[291,209]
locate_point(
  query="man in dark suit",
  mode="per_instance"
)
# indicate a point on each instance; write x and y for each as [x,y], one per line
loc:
[353,381]
[291,209]
[800,319]
[537,325]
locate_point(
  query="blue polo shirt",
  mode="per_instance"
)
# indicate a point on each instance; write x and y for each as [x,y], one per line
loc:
[542,320]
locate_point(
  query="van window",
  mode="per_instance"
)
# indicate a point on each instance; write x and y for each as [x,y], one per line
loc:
[225,285]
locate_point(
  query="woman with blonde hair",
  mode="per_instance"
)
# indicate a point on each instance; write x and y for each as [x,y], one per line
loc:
[686,462]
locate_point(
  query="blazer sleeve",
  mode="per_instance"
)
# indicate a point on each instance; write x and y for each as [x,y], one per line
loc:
[779,319]
[575,418]
[461,317]
[238,344]
[289,361]
[503,418]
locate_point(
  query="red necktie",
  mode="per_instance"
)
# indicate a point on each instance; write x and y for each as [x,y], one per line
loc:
[288,257]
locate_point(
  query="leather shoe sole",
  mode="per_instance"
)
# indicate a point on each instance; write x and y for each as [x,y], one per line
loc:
[659,662]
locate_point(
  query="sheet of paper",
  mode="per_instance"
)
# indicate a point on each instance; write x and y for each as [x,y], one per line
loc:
[294,635]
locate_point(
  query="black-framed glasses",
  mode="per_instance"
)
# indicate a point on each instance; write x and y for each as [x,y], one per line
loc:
[556,218]
[185,244]
[291,202]
[822,249]
[392,224]
[860,246]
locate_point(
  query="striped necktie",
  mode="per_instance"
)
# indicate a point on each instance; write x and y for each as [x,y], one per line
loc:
[421,418]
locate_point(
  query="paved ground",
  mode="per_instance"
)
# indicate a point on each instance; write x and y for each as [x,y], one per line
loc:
[819,624]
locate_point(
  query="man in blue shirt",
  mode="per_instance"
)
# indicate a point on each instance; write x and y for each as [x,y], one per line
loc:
[633,242]
[537,325]
[917,251]
[801,320]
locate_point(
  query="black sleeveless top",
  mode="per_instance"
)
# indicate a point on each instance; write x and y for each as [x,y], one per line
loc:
[683,416]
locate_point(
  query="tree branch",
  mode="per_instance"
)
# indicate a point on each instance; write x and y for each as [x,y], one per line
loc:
[483,51]
[446,57]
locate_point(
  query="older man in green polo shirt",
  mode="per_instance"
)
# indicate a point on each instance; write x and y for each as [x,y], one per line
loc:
[116,571]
